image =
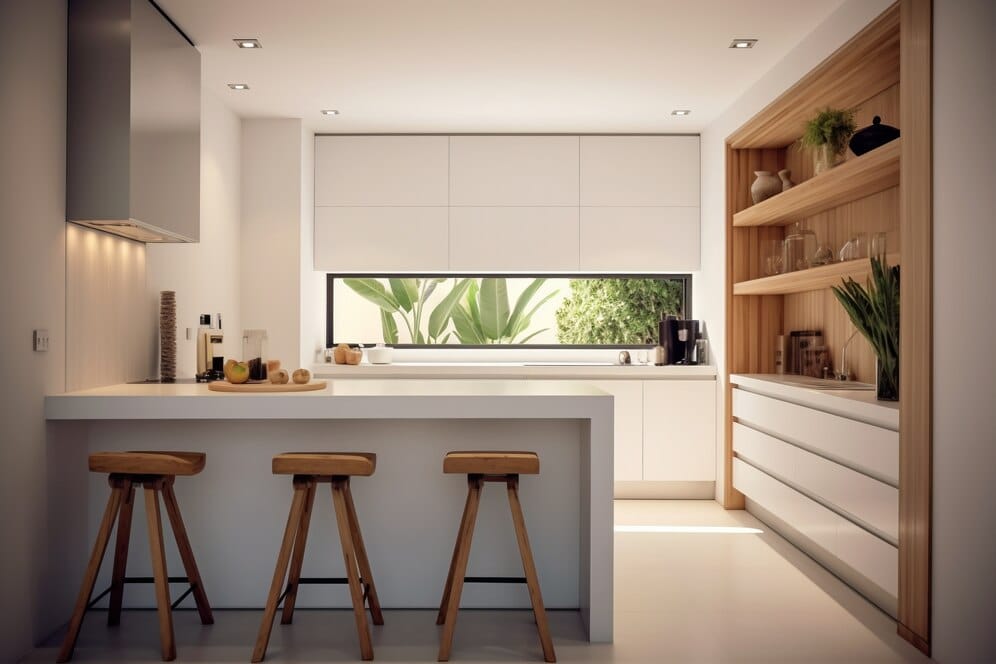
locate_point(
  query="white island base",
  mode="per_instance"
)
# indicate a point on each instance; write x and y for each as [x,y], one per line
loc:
[235,510]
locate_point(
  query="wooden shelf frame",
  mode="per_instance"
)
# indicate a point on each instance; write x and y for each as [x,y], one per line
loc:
[856,178]
[815,278]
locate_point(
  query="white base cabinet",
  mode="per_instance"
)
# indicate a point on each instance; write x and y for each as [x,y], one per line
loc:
[679,430]
[628,429]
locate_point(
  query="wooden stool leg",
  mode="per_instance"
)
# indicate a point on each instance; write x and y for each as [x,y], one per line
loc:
[366,573]
[301,487]
[121,552]
[186,553]
[475,483]
[90,576]
[349,558]
[444,602]
[529,567]
[159,573]
[297,560]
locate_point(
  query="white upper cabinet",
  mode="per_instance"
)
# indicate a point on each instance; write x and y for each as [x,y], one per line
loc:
[640,171]
[514,170]
[639,239]
[514,239]
[372,239]
[381,170]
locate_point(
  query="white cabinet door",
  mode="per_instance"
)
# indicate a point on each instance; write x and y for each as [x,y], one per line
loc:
[679,430]
[514,170]
[627,239]
[640,170]
[381,170]
[380,239]
[512,239]
[628,430]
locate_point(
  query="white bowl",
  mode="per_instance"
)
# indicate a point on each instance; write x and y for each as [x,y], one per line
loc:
[379,354]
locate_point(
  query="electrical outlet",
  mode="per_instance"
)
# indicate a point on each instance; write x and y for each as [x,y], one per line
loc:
[40,340]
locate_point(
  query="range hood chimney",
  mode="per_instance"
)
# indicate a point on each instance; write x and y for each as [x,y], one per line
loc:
[133,129]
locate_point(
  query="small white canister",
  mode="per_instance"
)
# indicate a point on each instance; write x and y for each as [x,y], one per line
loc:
[379,354]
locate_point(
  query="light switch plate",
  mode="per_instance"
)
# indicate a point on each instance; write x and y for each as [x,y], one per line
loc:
[40,340]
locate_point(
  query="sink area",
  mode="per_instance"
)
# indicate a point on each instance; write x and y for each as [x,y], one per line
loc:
[819,383]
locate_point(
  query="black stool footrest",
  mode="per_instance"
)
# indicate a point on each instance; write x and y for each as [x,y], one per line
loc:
[146,579]
[494,579]
[321,581]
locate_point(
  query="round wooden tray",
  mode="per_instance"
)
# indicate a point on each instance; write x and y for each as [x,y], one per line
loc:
[225,386]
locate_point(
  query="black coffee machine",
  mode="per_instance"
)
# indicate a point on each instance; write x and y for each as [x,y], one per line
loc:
[678,338]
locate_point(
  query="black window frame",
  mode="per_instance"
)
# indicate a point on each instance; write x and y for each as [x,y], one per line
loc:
[330,277]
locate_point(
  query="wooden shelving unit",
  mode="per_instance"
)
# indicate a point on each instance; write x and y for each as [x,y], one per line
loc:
[857,178]
[814,278]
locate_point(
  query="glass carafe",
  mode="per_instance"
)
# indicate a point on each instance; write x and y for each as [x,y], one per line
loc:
[254,344]
[799,248]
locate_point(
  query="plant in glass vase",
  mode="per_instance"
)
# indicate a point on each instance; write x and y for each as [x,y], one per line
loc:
[828,134]
[874,311]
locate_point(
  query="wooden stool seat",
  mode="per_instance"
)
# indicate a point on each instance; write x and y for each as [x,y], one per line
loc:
[148,463]
[310,469]
[491,463]
[481,467]
[325,464]
[156,473]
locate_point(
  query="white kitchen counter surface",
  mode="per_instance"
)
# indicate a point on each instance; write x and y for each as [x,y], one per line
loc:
[855,404]
[341,399]
[515,371]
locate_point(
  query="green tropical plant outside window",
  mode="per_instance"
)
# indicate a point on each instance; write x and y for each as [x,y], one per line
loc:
[495,310]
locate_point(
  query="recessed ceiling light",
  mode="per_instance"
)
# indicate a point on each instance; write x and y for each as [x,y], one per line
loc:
[247,43]
[239,86]
[330,111]
[681,112]
[743,43]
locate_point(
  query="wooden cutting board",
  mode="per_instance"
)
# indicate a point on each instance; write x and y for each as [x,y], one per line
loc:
[225,386]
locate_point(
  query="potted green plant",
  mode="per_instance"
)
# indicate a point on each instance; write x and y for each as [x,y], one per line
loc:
[874,311]
[828,134]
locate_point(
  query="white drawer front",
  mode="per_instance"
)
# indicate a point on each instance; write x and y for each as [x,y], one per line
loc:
[873,558]
[870,449]
[868,500]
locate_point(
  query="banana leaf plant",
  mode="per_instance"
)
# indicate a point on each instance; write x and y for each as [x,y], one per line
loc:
[406,298]
[874,310]
[485,317]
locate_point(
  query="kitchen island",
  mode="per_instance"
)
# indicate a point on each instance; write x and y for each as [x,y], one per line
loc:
[236,509]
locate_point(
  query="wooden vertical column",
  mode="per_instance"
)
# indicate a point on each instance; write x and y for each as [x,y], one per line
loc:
[916,318]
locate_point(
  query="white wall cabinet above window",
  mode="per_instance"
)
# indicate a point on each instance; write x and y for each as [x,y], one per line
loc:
[640,170]
[381,170]
[514,238]
[639,239]
[514,170]
[358,239]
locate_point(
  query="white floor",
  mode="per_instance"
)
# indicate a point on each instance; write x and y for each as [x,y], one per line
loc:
[710,588]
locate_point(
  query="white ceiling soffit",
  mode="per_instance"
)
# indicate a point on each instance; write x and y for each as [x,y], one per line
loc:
[572,66]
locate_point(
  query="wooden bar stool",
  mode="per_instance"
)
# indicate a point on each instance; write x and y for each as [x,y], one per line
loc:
[481,467]
[156,471]
[310,469]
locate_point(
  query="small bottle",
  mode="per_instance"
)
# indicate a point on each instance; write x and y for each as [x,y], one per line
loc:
[780,354]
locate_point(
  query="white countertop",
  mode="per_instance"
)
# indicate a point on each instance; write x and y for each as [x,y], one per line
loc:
[515,370]
[341,399]
[856,404]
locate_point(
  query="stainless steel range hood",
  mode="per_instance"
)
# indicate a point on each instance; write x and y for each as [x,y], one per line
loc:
[133,129]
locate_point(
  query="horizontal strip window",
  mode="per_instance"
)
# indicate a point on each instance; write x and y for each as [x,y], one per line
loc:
[489,311]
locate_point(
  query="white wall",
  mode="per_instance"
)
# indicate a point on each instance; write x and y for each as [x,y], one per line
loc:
[312,283]
[206,275]
[964,536]
[33,484]
[709,301]
[271,233]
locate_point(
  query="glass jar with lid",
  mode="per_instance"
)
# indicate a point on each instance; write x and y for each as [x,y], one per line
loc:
[799,248]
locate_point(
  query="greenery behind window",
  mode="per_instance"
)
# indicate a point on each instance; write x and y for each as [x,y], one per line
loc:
[616,311]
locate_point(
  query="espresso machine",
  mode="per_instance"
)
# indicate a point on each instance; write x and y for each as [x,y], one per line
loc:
[679,336]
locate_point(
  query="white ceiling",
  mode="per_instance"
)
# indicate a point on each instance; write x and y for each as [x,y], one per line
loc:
[570,66]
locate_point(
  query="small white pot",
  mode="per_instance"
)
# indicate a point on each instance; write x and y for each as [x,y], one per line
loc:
[379,354]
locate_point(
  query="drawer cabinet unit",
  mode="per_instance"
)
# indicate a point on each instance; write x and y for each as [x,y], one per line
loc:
[679,430]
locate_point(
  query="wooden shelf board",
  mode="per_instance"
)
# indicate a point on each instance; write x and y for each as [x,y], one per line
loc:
[814,278]
[856,178]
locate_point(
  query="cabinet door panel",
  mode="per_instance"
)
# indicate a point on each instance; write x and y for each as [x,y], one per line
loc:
[679,430]
[514,170]
[380,239]
[640,239]
[513,238]
[628,429]
[640,170]
[381,170]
